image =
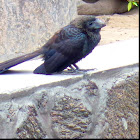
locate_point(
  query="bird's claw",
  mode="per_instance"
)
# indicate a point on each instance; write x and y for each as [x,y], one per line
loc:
[77,71]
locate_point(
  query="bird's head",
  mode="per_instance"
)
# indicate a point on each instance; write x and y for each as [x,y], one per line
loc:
[88,23]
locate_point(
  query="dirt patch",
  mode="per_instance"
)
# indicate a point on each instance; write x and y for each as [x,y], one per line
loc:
[120,27]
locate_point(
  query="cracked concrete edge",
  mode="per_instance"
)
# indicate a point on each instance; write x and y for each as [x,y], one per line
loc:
[102,77]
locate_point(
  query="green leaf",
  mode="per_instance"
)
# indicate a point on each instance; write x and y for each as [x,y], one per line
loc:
[135,3]
[129,6]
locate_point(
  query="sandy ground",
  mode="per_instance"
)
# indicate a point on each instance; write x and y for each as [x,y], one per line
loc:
[120,27]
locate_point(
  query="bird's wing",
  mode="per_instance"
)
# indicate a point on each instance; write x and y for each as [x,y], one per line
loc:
[67,41]
[64,48]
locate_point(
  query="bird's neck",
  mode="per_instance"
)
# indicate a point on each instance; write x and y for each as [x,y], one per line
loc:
[94,37]
[92,40]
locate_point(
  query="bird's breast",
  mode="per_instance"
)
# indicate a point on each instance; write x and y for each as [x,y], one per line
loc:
[91,43]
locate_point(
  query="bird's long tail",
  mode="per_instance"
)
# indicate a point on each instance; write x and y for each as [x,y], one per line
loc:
[4,66]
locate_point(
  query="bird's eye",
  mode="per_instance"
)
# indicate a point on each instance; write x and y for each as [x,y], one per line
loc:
[90,23]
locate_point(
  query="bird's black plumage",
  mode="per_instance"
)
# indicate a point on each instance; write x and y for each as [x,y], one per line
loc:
[69,45]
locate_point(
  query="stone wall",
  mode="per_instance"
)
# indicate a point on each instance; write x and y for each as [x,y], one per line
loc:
[94,105]
[26,25]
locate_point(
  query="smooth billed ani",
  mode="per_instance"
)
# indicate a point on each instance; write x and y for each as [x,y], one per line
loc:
[66,47]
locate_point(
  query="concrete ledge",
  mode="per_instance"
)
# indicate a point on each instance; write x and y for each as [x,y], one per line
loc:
[104,57]
[93,104]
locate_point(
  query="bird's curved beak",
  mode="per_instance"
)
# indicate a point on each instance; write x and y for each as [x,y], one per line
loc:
[99,24]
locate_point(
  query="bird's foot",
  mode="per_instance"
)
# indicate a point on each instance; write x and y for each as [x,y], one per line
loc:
[86,70]
[77,71]
[74,69]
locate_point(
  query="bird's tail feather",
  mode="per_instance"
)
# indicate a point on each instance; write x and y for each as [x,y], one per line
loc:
[4,66]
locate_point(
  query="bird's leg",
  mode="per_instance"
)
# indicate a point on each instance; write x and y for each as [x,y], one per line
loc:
[77,68]
[72,69]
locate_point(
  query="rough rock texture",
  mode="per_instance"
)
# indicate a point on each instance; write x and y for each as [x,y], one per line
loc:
[102,7]
[123,105]
[94,105]
[26,25]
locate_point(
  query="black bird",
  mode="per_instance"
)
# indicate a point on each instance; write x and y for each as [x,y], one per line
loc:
[66,47]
